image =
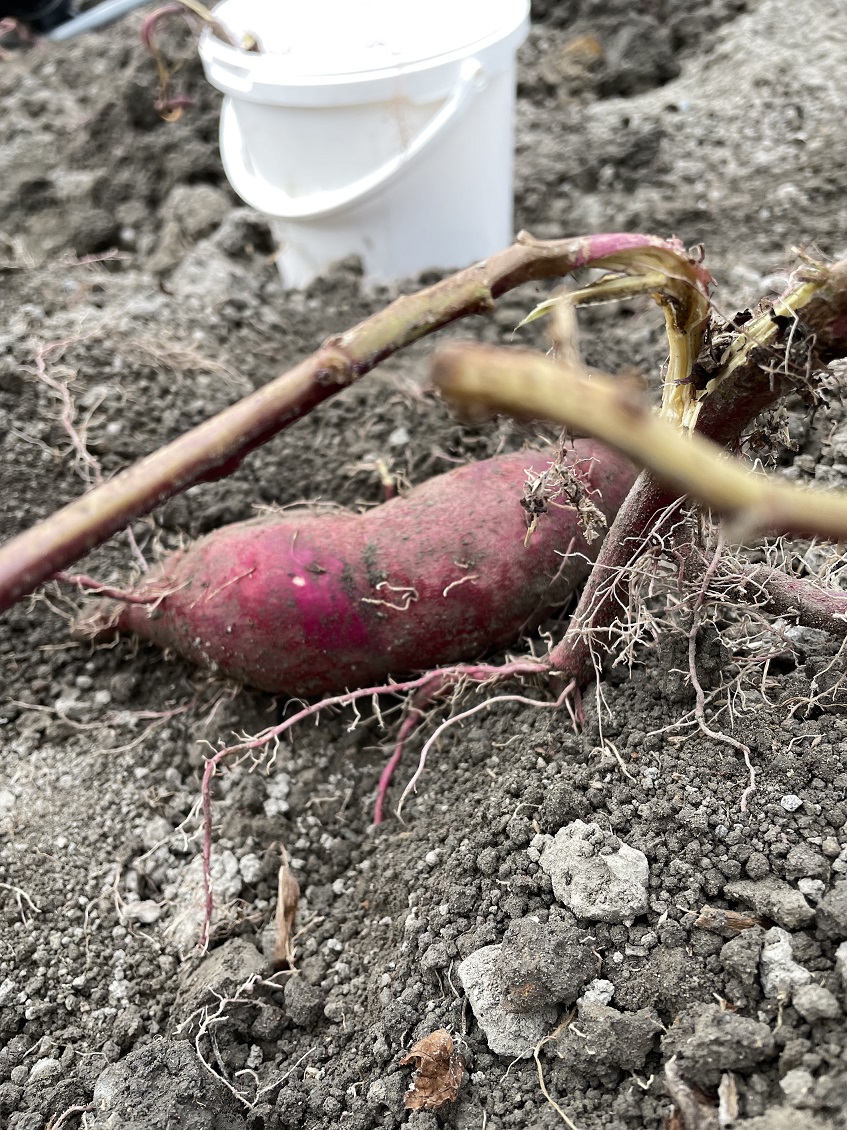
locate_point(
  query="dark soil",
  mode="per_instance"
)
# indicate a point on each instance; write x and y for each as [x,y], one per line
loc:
[130,271]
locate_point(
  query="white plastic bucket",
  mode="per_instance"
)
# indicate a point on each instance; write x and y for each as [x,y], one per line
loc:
[381,128]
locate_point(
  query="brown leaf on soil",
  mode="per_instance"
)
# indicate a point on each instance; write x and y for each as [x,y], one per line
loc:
[288,896]
[728,922]
[438,1072]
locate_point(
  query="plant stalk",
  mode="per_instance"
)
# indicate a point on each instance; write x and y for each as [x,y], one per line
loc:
[806,330]
[215,448]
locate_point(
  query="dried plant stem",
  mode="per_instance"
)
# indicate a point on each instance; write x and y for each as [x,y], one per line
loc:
[529,385]
[750,380]
[215,448]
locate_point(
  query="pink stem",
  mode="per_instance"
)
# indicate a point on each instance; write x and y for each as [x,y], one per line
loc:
[215,448]
[409,722]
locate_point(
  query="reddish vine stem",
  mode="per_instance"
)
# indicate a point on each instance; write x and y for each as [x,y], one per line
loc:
[793,598]
[215,448]
[590,625]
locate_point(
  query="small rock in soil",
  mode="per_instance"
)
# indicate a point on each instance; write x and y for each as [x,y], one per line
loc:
[831,1091]
[841,964]
[740,959]
[832,912]
[145,911]
[219,975]
[540,964]
[608,1041]
[740,955]
[797,1085]
[779,972]
[811,889]
[45,1070]
[304,1004]
[600,878]
[508,1033]
[803,862]
[599,991]
[815,1003]
[127,1027]
[189,899]
[773,899]
[160,1084]
[387,1093]
[708,1040]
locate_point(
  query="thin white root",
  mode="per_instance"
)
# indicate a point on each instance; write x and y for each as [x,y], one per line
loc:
[560,701]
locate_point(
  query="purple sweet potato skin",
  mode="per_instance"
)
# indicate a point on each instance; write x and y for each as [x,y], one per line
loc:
[308,604]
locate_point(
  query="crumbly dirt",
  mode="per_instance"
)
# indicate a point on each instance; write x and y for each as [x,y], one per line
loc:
[130,271]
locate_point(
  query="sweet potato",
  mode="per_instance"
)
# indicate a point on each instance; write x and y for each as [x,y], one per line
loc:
[306,604]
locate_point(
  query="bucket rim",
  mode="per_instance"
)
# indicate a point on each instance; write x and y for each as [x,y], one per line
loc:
[215,51]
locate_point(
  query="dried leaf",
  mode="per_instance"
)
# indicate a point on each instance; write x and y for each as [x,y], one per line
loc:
[288,896]
[728,922]
[438,1072]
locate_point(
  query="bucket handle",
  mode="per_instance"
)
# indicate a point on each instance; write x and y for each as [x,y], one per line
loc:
[277,203]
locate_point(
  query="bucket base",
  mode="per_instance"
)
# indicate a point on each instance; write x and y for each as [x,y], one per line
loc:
[446,212]
[390,248]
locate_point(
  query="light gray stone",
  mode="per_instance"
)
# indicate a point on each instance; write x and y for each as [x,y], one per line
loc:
[811,889]
[815,1003]
[797,1086]
[156,831]
[599,991]
[145,911]
[251,869]
[206,278]
[779,972]
[189,899]
[45,1070]
[513,1034]
[600,878]
[840,964]
[773,899]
